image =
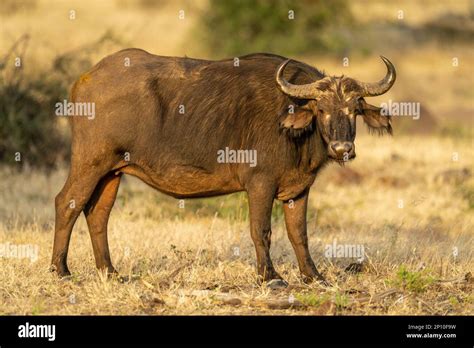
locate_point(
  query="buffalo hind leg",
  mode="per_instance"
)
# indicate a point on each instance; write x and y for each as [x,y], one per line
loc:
[295,219]
[97,212]
[69,204]
[260,209]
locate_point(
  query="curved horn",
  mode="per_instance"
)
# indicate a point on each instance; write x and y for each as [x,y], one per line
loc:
[308,91]
[378,88]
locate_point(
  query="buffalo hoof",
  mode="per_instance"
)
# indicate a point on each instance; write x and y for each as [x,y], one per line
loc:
[318,278]
[61,273]
[275,284]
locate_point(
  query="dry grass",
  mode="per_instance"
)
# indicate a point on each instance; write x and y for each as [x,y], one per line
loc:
[181,261]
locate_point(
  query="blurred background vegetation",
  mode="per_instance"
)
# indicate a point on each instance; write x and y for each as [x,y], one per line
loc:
[291,27]
[421,37]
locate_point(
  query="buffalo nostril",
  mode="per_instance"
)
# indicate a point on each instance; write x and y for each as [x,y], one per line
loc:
[338,148]
[341,148]
[347,147]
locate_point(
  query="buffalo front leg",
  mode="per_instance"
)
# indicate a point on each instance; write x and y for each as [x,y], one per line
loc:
[260,209]
[295,219]
[97,212]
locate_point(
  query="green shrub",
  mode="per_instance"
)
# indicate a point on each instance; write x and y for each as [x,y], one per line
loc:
[412,280]
[28,122]
[312,299]
[236,27]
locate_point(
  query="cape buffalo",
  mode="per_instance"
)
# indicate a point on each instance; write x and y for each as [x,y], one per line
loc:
[166,120]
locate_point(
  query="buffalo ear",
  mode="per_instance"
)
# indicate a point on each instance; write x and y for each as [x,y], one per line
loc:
[297,123]
[376,118]
[297,120]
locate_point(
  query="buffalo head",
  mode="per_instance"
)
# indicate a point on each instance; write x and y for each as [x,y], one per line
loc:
[335,102]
